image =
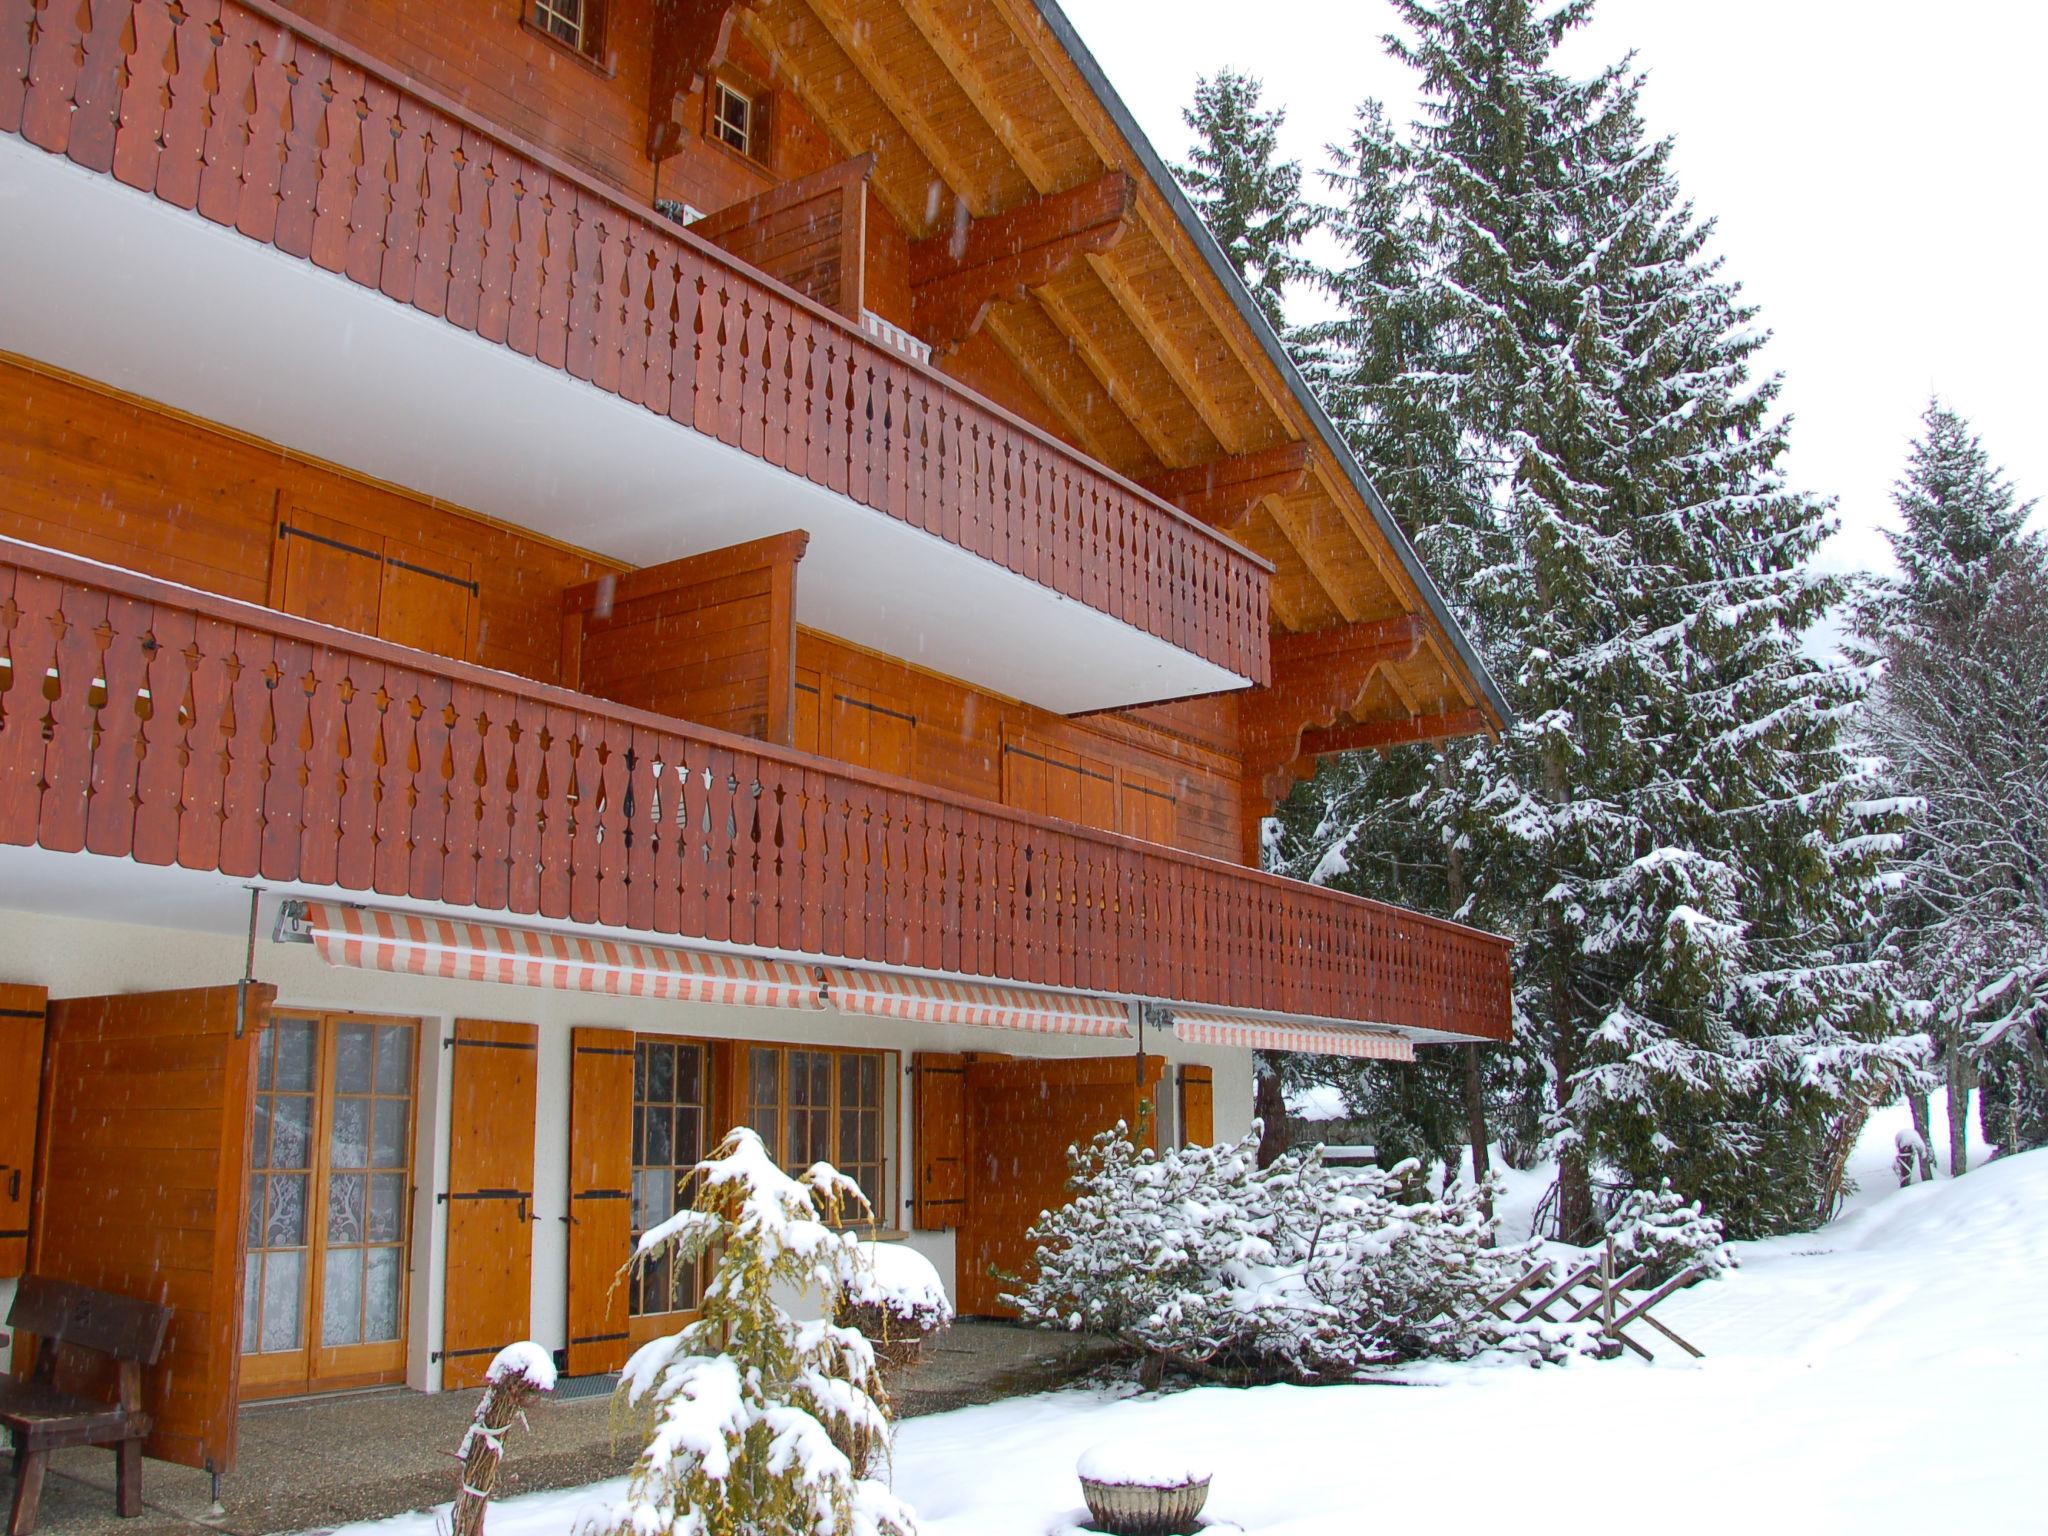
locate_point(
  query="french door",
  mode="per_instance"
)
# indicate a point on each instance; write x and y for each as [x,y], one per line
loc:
[330,1153]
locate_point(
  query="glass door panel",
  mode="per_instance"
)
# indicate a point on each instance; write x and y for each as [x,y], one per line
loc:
[331,1158]
[281,1176]
[669,1082]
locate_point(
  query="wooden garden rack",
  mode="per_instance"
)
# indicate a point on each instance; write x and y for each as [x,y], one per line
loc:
[1592,1291]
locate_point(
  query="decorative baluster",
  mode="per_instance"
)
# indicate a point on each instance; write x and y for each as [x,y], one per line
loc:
[298,182]
[326,767]
[52,79]
[533,803]
[261,154]
[284,790]
[398,767]
[160,777]
[248,754]
[117,753]
[355,856]
[18,28]
[340,154]
[67,761]
[498,751]
[206,708]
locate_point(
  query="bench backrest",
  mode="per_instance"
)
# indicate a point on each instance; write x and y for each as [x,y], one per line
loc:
[57,1311]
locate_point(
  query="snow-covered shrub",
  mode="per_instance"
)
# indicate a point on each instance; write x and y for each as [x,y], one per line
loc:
[897,1302]
[1666,1233]
[760,1423]
[1203,1261]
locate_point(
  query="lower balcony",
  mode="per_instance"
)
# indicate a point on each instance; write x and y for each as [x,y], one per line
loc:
[147,722]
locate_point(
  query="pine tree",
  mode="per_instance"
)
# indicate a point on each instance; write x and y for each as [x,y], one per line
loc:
[1673,826]
[1249,197]
[1963,525]
[1962,713]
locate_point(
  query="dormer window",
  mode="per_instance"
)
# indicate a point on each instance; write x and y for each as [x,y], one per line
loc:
[733,118]
[577,24]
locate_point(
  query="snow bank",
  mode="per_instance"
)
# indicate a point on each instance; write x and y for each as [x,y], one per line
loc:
[1141,1464]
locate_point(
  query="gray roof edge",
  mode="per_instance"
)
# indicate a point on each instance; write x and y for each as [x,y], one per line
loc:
[1253,316]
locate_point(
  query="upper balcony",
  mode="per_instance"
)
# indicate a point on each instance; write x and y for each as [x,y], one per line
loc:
[159,726]
[219,208]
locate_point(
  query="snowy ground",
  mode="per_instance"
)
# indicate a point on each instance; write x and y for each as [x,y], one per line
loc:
[1887,1373]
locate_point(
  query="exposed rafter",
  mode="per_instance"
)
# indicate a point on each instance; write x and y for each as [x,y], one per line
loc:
[690,42]
[1375,735]
[944,40]
[1224,492]
[957,277]
[1082,339]
[1316,678]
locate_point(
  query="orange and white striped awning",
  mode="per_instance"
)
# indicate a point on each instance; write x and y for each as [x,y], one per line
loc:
[929,1000]
[370,939]
[1199,1027]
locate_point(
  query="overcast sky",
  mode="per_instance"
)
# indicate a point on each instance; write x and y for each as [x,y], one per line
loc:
[1876,168]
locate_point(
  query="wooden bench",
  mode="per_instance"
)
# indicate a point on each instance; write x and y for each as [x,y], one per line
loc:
[42,1417]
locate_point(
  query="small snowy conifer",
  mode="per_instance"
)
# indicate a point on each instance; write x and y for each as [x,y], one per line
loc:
[761,1425]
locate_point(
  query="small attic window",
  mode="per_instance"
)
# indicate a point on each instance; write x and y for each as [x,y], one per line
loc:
[733,118]
[577,24]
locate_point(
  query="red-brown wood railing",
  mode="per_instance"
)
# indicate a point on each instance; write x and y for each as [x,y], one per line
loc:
[259,122]
[145,720]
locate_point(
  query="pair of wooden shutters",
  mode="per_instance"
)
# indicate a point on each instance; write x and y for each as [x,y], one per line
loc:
[489,1295]
[1052,781]
[363,581]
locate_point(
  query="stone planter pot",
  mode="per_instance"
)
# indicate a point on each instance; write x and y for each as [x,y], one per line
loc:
[1140,1492]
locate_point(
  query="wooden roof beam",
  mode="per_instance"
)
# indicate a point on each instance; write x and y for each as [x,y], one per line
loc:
[1377,735]
[1224,492]
[690,42]
[956,278]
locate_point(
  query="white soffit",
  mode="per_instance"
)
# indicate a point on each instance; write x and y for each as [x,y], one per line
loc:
[110,283]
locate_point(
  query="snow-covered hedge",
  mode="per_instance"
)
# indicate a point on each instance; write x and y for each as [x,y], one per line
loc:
[1203,1261]
[1666,1233]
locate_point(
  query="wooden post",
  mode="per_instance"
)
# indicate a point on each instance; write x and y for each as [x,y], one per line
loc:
[519,1373]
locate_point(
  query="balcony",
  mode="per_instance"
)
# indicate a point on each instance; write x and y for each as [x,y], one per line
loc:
[245,220]
[173,728]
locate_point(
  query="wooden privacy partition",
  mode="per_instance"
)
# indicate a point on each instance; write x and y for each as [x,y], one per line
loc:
[21,1077]
[143,1156]
[1021,1116]
[810,233]
[710,637]
[489,1295]
[262,124]
[303,754]
[600,1197]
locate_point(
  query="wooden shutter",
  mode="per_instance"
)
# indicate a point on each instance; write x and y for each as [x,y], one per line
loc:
[142,1186]
[938,1139]
[21,1081]
[428,599]
[1197,1107]
[489,1297]
[871,729]
[1052,781]
[359,580]
[1146,809]
[328,571]
[600,1197]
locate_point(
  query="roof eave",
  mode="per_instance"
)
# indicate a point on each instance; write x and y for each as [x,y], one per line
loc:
[1248,310]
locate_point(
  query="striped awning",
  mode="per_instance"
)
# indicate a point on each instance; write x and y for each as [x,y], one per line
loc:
[369,939]
[1199,1027]
[926,1000]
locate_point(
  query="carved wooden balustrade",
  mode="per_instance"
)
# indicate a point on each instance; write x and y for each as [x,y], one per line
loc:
[259,122]
[144,720]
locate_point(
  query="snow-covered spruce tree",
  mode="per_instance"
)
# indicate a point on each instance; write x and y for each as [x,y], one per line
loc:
[1249,197]
[1673,826]
[761,1425]
[1387,825]
[1962,714]
[1252,202]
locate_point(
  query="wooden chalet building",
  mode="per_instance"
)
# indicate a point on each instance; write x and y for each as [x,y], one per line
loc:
[577,572]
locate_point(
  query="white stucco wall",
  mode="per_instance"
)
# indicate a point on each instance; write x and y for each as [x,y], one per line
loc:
[80,957]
